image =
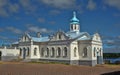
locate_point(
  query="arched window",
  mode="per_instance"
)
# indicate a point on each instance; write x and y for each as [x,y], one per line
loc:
[75,52]
[58,52]
[59,36]
[52,52]
[20,52]
[65,51]
[75,27]
[35,51]
[24,53]
[25,38]
[47,52]
[71,27]
[94,52]
[42,52]
[28,51]
[0,55]
[85,52]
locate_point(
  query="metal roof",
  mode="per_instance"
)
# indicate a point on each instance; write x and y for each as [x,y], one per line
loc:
[41,39]
[79,35]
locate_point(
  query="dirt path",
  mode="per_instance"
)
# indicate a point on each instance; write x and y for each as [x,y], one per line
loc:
[53,69]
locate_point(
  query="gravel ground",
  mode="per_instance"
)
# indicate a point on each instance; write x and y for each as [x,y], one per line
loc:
[13,68]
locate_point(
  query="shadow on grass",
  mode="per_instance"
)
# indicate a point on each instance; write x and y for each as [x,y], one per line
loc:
[112,73]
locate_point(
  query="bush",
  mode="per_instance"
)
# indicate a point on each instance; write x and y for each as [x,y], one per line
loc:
[111,55]
[107,61]
[117,62]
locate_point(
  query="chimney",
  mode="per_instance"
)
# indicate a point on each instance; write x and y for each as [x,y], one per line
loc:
[38,34]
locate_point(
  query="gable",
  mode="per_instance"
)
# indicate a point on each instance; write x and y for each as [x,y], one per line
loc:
[96,37]
[59,36]
[25,38]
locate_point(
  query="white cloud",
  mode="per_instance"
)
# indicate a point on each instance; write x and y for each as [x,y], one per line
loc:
[1,29]
[14,30]
[41,20]
[60,3]
[38,29]
[111,44]
[91,5]
[27,5]
[113,3]
[55,12]
[52,22]
[3,12]
[2,37]
[3,2]
[110,41]
[13,8]
[33,29]
[6,8]
[80,8]
[119,37]
[116,14]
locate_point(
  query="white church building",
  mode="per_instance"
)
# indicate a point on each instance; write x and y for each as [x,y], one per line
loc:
[73,47]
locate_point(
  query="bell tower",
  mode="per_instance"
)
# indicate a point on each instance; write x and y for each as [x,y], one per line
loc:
[74,24]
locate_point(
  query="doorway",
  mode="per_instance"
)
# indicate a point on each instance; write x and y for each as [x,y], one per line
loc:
[24,53]
[0,55]
[99,58]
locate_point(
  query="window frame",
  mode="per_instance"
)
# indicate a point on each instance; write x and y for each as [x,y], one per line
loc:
[42,52]
[52,52]
[47,52]
[58,52]
[75,52]
[94,51]
[20,51]
[85,52]
[28,51]
[35,51]
[65,52]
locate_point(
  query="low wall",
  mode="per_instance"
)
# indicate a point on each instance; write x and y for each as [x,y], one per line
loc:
[9,53]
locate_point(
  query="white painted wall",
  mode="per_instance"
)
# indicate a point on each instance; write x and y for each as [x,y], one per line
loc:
[56,47]
[72,46]
[96,43]
[82,45]
[26,47]
[9,51]
[37,56]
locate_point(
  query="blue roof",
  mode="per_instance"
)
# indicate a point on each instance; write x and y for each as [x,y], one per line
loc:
[85,38]
[74,23]
[78,35]
[74,20]
[15,42]
[41,39]
[72,35]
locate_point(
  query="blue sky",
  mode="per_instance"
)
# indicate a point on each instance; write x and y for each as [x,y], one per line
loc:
[48,16]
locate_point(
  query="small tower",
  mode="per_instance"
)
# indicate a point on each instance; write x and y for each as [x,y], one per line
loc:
[38,34]
[74,23]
